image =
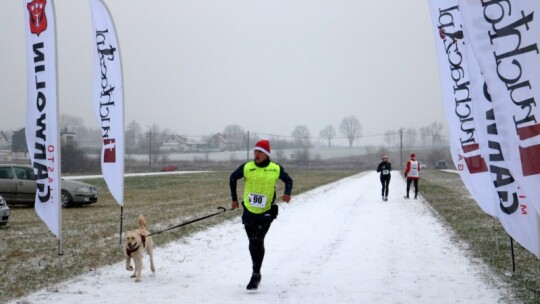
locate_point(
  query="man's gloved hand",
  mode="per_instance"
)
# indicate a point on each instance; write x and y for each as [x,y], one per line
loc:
[286,198]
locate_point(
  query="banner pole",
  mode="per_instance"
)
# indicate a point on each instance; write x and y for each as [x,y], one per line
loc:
[58,144]
[60,254]
[121,222]
[513,257]
[495,230]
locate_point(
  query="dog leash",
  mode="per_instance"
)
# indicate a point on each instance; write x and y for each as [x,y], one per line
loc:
[221,210]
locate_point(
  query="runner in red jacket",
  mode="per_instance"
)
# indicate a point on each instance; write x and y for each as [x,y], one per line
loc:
[412,173]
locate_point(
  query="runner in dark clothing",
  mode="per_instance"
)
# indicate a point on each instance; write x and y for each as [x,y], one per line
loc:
[385,167]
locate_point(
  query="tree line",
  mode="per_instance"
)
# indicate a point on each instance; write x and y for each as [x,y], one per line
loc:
[148,140]
[142,139]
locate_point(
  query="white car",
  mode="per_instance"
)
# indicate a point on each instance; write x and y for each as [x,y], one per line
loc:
[4,212]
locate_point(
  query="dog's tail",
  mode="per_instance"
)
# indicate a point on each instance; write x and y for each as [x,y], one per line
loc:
[142,222]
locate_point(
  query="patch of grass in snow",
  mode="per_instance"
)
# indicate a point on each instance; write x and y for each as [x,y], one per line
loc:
[484,236]
[28,251]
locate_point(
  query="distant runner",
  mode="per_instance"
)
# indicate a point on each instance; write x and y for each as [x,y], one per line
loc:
[412,173]
[385,167]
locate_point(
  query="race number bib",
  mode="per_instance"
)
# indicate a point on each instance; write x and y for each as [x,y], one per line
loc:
[385,172]
[257,200]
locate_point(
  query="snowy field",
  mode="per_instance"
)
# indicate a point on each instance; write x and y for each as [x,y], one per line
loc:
[339,243]
[315,152]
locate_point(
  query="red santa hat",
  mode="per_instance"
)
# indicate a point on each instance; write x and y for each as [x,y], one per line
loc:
[263,145]
[413,155]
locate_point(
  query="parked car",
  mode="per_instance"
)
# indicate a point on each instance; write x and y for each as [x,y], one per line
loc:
[18,186]
[441,164]
[4,212]
[169,168]
[423,166]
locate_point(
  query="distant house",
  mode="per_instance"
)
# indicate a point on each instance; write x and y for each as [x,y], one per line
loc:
[18,141]
[5,143]
[178,143]
[218,141]
[223,142]
[67,138]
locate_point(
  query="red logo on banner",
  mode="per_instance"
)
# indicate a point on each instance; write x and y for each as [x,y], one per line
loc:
[38,19]
[476,163]
[530,160]
[530,156]
[109,153]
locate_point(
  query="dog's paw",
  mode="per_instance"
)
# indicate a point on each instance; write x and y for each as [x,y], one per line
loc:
[129,268]
[132,276]
[153,268]
[137,280]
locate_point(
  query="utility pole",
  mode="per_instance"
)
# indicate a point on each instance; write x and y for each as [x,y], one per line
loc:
[401,149]
[247,146]
[149,148]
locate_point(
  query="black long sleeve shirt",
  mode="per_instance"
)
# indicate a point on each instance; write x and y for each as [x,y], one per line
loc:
[384,166]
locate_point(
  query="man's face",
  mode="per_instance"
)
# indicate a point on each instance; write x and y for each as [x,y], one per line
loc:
[259,156]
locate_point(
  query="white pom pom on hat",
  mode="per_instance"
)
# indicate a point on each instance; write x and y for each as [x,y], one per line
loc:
[263,145]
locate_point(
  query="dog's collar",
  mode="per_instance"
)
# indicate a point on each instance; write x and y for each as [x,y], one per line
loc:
[143,239]
[129,251]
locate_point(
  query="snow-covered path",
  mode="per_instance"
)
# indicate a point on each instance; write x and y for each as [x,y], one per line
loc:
[336,244]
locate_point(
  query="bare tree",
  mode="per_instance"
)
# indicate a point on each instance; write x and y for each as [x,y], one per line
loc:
[410,137]
[390,137]
[328,132]
[75,160]
[234,130]
[301,136]
[425,134]
[351,128]
[236,136]
[436,129]
[86,137]
[431,134]
[133,136]
[71,123]
[154,140]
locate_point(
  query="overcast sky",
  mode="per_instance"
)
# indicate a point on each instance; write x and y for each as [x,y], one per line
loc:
[196,66]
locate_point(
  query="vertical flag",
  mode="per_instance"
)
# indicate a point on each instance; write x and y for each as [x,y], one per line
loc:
[458,104]
[473,128]
[505,37]
[108,98]
[42,110]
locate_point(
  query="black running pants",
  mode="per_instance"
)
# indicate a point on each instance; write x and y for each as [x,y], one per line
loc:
[385,182]
[256,232]
[415,181]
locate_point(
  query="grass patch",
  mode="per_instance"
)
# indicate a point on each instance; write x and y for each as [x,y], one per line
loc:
[484,236]
[28,251]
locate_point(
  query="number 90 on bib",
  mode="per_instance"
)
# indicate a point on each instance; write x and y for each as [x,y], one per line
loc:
[257,200]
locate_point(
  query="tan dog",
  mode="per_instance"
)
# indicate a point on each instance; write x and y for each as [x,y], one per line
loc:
[135,243]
